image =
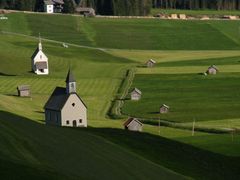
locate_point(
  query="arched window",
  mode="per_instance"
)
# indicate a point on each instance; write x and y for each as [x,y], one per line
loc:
[80,121]
[67,122]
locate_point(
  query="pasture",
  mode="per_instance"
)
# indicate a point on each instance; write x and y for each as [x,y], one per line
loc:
[144,34]
[100,52]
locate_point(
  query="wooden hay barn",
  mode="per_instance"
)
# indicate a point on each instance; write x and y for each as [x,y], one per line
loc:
[212,70]
[24,91]
[136,94]
[164,109]
[133,124]
[150,63]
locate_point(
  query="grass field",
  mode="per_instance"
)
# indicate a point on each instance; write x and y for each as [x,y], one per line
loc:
[190,96]
[182,49]
[150,34]
[87,156]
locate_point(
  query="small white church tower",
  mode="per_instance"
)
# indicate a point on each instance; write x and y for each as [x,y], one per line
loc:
[39,61]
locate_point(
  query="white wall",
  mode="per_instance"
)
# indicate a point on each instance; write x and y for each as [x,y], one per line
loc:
[40,57]
[77,112]
[49,9]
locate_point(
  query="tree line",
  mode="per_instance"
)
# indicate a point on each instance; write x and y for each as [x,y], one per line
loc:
[103,7]
[124,7]
[197,4]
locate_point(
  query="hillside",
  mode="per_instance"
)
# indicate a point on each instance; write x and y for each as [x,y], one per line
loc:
[183,49]
[149,34]
[50,152]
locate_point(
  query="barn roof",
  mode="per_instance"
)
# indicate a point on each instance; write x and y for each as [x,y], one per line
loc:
[151,60]
[58,99]
[166,106]
[137,90]
[214,67]
[41,65]
[126,123]
[23,87]
[70,77]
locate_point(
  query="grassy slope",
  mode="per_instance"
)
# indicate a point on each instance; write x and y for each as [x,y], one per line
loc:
[128,33]
[189,96]
[98,75]
[97,72]
[69,154]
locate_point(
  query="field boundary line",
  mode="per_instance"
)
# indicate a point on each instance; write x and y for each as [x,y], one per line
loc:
[54,41]
[115,111]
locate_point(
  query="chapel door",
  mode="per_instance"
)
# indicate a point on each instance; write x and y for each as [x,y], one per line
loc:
[74,123]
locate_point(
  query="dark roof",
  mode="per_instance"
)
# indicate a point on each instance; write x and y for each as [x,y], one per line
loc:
[58,1]
[23,87]
[130,120]
[41,65]
[48,2]
[70,77]
[35,53]
[58,99]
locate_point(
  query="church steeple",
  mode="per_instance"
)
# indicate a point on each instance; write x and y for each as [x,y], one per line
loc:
[70,83]
[40,43]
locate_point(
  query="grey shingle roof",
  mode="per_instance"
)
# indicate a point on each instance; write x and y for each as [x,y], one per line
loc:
[48,2]
[70,77]
[58,99]
[41,65]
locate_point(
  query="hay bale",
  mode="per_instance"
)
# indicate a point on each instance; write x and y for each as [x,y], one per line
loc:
[182,16]
[205,18]
[173,16]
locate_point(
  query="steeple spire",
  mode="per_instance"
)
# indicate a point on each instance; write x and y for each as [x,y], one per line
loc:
[70,83]
[40,43]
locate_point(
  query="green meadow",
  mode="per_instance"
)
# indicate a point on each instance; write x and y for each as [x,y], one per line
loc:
[100,52]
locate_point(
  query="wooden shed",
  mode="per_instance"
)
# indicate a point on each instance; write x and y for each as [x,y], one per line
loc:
[212,70]
[133,124]
[164,109]
[150,63]
[24,91]
[136,94]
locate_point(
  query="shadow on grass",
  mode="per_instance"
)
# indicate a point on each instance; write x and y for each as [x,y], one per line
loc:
[40,112]
[4,74]
[156,112]
[182,158]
